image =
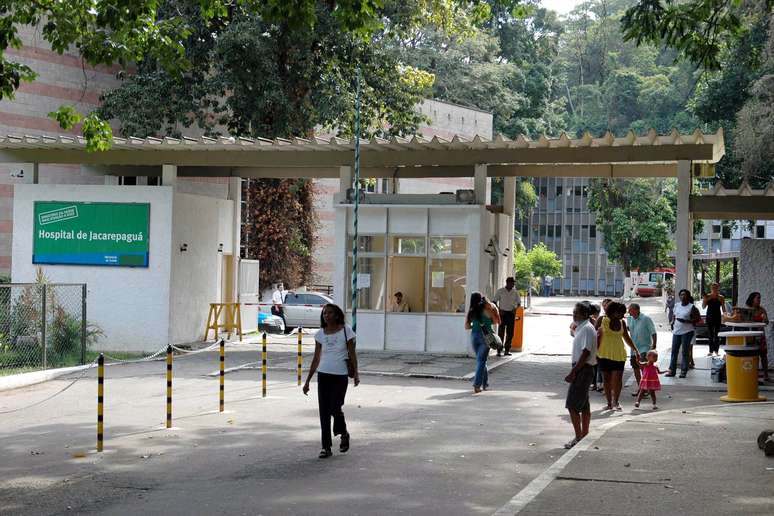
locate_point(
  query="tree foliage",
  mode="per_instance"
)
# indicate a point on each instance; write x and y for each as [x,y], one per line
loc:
[698,29]
[636,218]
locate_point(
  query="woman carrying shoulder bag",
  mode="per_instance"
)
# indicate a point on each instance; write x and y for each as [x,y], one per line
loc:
[481,315]
[335,360]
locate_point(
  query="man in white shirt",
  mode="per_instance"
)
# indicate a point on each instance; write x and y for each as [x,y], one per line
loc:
[400,304]
[584,358]
[276,303]
[507,300]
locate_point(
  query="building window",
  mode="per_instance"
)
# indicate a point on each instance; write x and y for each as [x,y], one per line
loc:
[412,245]
[715,229]
[370,283]
[558,230]
[447,285]
[592,231]
[760,231]
[559,191]
[726,231]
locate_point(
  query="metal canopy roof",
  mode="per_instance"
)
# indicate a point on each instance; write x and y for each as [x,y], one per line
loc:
[437,157]
[742,203]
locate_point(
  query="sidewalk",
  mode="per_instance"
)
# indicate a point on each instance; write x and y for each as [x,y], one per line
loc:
[701,461]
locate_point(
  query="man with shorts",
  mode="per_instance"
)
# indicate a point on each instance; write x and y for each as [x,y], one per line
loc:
[584,358]
[643,333]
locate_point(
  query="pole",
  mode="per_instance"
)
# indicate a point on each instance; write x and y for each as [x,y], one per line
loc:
[43,327]
[222,374]
[100,401]
[83,324]
[169,386]
[357,200]
[263,365]
[300,358]
[735,284]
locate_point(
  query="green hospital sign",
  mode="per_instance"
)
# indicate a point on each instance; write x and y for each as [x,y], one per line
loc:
[91,233]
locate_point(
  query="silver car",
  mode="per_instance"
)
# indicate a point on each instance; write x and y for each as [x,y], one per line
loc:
[302,309]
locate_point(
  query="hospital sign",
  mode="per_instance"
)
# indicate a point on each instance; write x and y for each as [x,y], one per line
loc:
[91,233]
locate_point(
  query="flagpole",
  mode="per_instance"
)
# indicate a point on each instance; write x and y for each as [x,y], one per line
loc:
[356,189]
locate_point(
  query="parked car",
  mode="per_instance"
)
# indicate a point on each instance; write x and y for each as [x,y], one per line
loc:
[301,308]
[651,283]
[270,323]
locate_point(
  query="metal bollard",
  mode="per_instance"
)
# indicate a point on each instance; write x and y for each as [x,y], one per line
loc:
[100,401]
[263,366]
[300,359]
[169,386]
[222,374]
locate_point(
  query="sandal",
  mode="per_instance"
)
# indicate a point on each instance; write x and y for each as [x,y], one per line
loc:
[636,404]
[609,407]
[655,407]
[571,444]
[325,453]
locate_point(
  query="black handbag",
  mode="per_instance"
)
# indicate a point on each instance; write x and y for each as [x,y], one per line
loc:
[350,365]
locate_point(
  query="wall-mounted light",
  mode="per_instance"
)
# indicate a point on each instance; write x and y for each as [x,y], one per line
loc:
[19,174]
[220,248]
[183,248]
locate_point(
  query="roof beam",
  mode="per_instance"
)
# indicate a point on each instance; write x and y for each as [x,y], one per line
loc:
[324,157]
[730,207]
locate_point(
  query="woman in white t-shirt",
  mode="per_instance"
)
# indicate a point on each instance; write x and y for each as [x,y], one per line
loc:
[686,317]
[334,346]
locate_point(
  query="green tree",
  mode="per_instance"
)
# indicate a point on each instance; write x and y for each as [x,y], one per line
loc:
[522,270]
[698,29]
[544,262]
[636,219]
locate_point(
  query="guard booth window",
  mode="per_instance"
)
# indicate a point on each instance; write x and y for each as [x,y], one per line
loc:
[406,270]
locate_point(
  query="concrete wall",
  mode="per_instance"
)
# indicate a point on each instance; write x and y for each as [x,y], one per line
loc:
[756,263]
[131,305]
[202,223]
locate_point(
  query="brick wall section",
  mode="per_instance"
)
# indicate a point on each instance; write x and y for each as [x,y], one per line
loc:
[62,79]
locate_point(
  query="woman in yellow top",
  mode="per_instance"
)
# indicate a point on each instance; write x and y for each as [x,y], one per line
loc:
[611,352]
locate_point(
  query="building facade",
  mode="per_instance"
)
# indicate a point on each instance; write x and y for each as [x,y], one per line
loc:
[563,222]
[720,236]
[445,120]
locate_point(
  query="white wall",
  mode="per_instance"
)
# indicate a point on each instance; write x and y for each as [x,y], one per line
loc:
[131,305]
[756,263]
[202,223]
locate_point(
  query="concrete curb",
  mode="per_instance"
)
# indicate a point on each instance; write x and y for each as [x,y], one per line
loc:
[531,491]
[16,381]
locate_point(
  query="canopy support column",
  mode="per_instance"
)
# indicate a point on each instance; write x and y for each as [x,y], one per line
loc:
[168,175]
[481,184]
[684,234]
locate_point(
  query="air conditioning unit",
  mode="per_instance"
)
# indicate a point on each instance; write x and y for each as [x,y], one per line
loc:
[465,197]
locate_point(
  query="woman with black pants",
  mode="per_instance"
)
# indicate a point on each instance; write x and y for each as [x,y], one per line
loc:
[716,306]
[334,348]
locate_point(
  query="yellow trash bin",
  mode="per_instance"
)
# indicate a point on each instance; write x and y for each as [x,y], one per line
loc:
[742,374]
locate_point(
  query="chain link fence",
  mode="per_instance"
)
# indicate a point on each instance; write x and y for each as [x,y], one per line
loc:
[42,326]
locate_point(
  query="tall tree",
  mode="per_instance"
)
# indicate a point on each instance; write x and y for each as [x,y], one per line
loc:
[636,219]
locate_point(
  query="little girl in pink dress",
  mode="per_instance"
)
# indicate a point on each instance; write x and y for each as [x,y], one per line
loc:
[649,382]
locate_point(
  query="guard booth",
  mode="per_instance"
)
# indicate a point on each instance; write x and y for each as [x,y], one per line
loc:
[436,250]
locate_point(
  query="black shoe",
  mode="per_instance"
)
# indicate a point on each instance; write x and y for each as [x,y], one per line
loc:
[508,353]
[498,354]
[682,375]
[325,453]
[344,446]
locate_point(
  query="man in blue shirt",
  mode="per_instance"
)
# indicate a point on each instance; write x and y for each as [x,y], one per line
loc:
[643,333]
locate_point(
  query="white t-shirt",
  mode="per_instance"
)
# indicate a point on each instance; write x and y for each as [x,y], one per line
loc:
[276,297]
[507,300]
[585,338]
[683,312]
[333,359]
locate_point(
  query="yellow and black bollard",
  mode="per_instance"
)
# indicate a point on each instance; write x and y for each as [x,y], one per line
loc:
[169,386]
[222,374]
[263,366]
[300,359]
[100,401]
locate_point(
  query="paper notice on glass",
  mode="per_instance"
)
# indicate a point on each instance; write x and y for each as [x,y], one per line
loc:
[437,279]
[363,281]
